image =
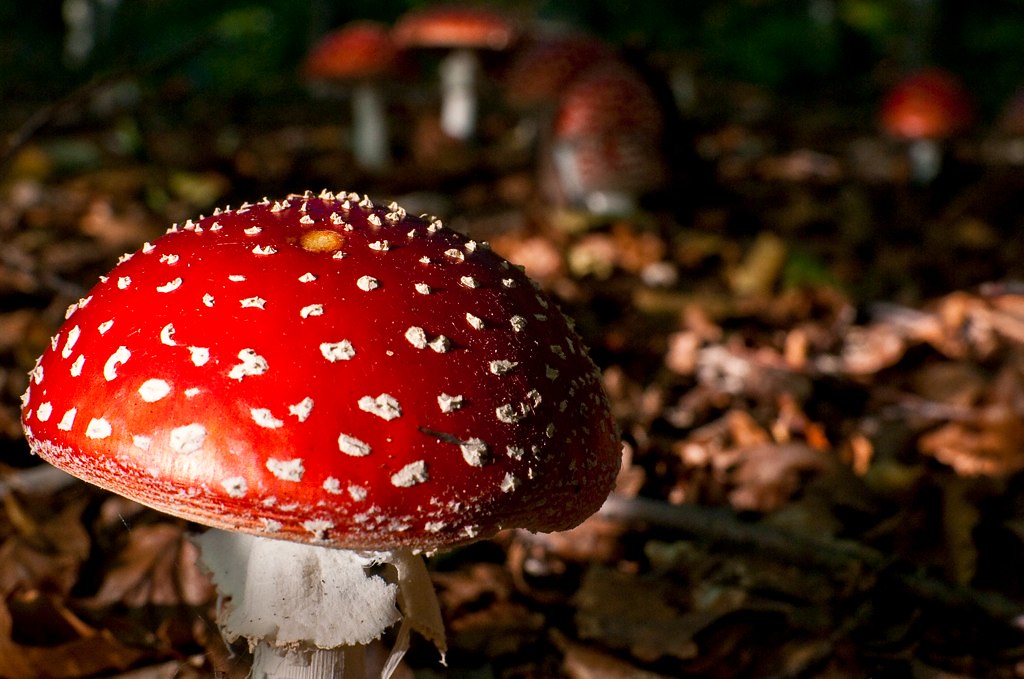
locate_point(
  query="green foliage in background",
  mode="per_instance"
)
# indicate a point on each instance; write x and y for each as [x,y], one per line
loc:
[790,45]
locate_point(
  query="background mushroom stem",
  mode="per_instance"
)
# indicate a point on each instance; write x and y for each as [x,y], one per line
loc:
[370,143]
[458,73]
[309,611]
[925,159]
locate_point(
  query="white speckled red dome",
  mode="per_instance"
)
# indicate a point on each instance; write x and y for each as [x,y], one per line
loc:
[321,369]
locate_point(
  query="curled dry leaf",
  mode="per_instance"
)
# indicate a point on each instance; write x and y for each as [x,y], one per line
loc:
[984,438]
[85,653]
[157,566]
[644,615]
[472,587]
[584,662]
[42,553]
[483,618]
[503,628]
[867,350]
[769,475]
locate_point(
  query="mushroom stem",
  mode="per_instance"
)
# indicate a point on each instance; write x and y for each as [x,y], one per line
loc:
[925,158]
[458,72]
[369,128]
[309,610]
[566,158]
[270,662]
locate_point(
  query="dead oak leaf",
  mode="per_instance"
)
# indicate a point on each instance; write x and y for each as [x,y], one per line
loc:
[94,652]
[42,553]
[157,566]
[766,476]
[973,450]
[984,438]
[636,613]
[583,662]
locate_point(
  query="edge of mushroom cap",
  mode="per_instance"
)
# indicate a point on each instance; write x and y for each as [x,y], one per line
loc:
[212,508]
[455,26]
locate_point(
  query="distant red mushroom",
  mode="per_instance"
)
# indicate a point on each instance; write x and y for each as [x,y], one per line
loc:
[923,109]
[461,31]
[334,386]
[358,56]
[540,71]
[606,143]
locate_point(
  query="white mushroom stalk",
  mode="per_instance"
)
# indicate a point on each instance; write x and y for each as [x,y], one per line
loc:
[460,30]
[370,140]
[459,74]
[282,616]
[355,61]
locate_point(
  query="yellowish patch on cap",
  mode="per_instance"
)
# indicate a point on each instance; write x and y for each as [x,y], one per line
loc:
[322,240]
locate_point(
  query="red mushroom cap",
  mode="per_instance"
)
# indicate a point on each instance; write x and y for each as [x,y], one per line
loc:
[927,104]
[449,27]
[357,50]
[612,125]
[540,72]
[320,369]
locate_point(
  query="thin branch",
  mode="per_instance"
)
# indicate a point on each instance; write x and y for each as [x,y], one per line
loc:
[724,528]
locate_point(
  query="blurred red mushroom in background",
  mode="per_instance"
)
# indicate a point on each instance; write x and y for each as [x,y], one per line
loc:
[354,61]
[540,71]
[461,32]
[606,147]
[924,109]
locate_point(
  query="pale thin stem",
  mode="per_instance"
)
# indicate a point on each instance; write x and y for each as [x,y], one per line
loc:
[458,72]
[369,128]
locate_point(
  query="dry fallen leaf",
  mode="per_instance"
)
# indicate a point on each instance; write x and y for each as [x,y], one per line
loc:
[91,653]
[157,566]
[584,662]
[42,553]
[647,616]
[767,476]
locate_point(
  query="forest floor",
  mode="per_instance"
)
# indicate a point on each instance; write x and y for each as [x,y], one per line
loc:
[817,368]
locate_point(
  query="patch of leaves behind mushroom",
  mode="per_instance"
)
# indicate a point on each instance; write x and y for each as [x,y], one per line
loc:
[816,485]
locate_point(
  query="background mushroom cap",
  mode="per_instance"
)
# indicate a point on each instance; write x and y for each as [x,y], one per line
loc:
[929,104]
[322,370]
[540,72]
[610,125]
[608,98]
[359,50]
[449,27]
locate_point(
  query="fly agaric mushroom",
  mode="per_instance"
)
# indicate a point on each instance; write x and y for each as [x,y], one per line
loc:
[539,73]
[462,31]
[359,55]
[924,109]
[606,142]
[333,387]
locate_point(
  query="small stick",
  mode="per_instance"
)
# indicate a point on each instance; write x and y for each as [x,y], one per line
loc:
[722,527]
